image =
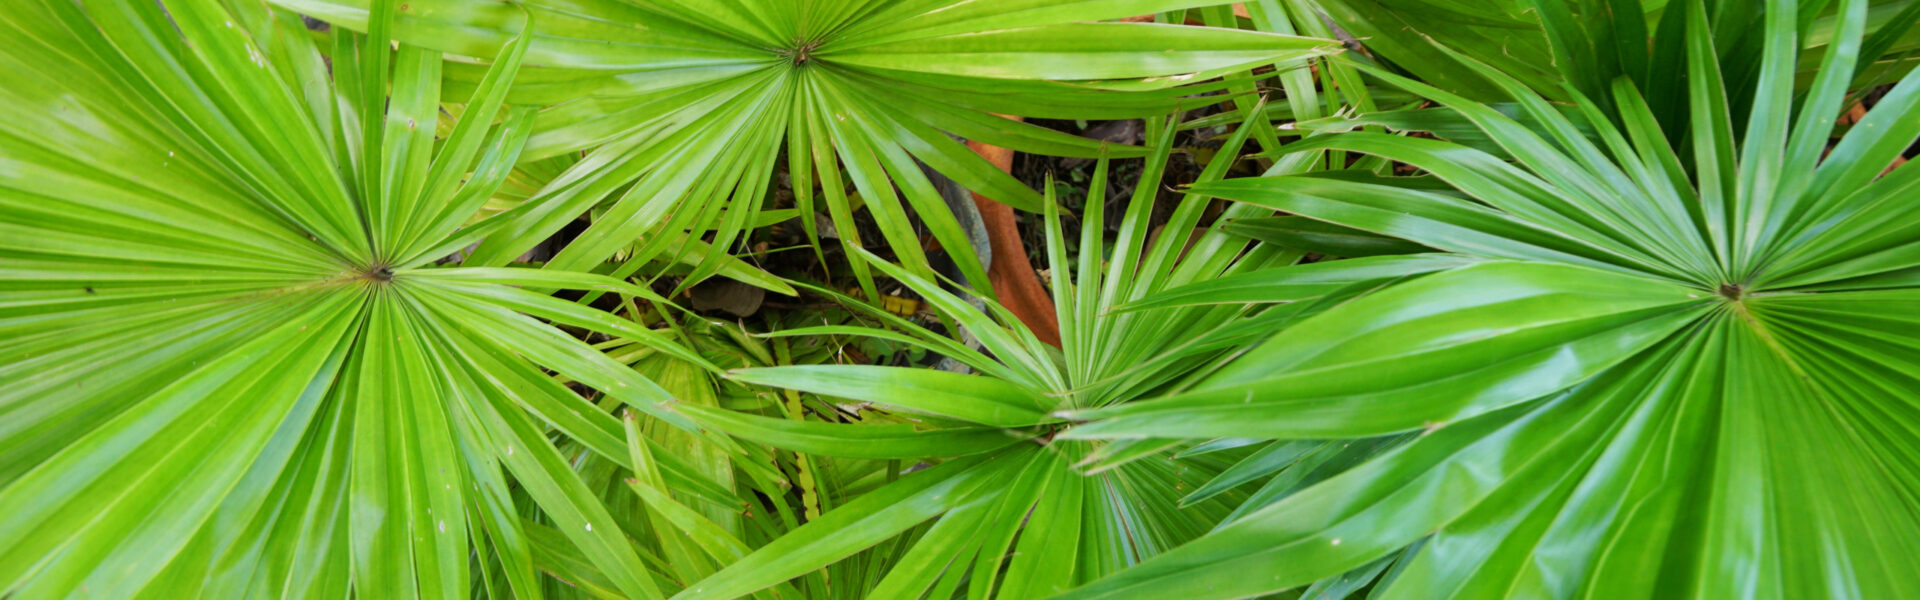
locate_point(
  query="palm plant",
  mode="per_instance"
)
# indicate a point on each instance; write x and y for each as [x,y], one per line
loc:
[688,106]
[1016,512]
[1661,376]
[231,367]
[1642,325]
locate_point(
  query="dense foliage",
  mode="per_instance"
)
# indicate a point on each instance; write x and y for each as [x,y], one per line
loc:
[1364,299]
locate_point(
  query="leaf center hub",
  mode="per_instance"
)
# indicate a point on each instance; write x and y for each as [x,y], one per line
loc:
[377,273]
[1731,291]
[801,52]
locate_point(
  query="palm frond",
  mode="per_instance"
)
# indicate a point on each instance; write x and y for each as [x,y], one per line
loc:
[230,370]
[1663,380]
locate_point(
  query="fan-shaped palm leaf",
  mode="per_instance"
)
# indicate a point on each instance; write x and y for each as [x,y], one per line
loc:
[1017,514]
[695,102]
[230,369]
[1673,377]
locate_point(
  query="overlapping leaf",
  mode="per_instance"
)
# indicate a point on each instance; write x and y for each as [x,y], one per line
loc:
[1682,377]
[1089,509]
[1585,44]
[230,369]
[691,103]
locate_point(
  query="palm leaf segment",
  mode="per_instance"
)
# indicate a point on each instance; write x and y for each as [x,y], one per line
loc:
[1691,376]
[229,370]
[695,102]
[1548,44]
[1016,513]
[995,425]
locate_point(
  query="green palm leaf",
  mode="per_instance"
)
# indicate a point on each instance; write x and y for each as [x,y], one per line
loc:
[230,369]
[695,101]
[1586,44]
[1674,377]
[1016,513]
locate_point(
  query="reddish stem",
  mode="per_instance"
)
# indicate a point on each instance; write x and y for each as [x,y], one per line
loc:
[1013,278]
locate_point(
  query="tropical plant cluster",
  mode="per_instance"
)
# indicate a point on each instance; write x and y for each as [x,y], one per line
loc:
[895,299]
